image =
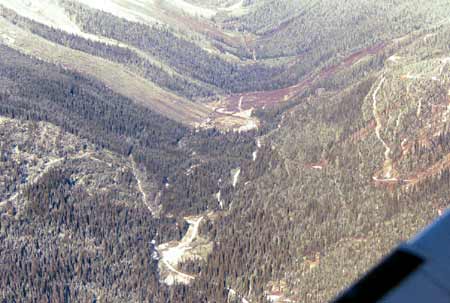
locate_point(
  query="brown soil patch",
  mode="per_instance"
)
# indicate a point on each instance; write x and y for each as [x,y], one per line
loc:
[261,99]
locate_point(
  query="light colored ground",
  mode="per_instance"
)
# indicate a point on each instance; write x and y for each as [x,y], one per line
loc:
[148,11]
[139,175]
[388,168]
[132,10]
[47,12]
[235,176]
[234,294]
[50,13]
[219,199]
[250,125]
[192,9]
[191,247]
[232,122]
[237,9]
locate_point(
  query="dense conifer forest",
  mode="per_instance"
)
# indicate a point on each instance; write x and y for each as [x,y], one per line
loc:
[323,144]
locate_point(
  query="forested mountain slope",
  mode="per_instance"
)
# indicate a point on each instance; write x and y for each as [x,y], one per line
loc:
[353,170]
[207,57]
[96,148]
[215,150]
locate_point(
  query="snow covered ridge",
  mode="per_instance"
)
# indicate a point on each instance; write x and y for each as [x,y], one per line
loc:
[192,9]
[140,10]
[131,10]
[47,12]
[51,13]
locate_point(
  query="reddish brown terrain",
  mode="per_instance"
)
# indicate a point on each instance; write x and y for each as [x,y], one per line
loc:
[199,25]
[262,99]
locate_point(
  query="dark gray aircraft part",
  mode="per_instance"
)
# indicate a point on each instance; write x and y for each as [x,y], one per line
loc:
[417,271]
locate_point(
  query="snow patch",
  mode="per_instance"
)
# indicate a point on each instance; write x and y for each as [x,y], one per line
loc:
[50,13]
[191,169]
[219,199]
[132,10]
[233,293]
[273,298]
[7,39]
[386,179]
[224,111]
[155,255]
[192,9]
[240,103]
[237,9]
[236,174]
[394,58]
[47,12]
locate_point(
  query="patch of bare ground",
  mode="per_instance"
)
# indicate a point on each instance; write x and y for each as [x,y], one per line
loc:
[322,164]
[434,170]
[362,133]
[178,19]
[262,99]
[145,189]
[191,247]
